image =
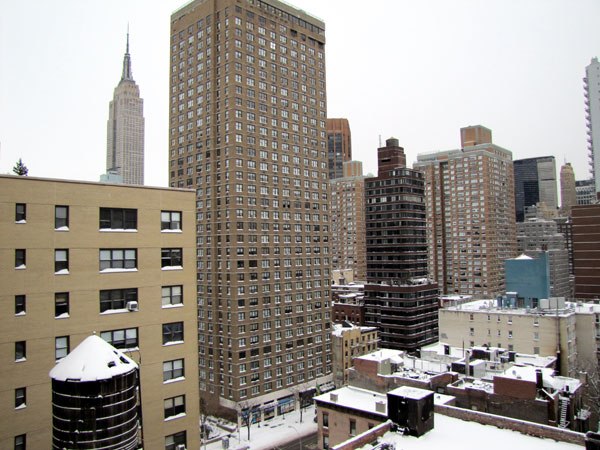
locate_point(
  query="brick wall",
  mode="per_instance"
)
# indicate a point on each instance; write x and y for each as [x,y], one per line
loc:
[364,438]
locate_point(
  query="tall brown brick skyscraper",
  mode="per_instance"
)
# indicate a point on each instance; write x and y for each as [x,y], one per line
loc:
[248,132]
[399,297]
[471,225]
[339,146]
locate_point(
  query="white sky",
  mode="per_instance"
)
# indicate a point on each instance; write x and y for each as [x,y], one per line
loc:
[415,70]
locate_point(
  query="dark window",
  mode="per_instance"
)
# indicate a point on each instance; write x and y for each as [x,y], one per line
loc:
[118,219]
[173,369]
[20,304]
[20,397]
[117,298]
[20,442]
[173,440]
[20,212]
[172,332]
[20,257]
[325,420]
[61,216]
[170,220]
[127,338]
[20,350]
[171,257]
[174,406]
[124,258]
[352,427]
[172,295]
[61,347]
[61,304]
[61,259]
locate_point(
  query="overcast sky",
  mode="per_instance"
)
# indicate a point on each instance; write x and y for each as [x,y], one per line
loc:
[415,70]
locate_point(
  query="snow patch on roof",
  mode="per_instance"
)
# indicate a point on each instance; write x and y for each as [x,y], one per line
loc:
[94,359]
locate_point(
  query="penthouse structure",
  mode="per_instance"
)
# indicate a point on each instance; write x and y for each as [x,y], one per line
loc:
[248,132]
[339,147]
[113,260]
[399,297]
[470,214]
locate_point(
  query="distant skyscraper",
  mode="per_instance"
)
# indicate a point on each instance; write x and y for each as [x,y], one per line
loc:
[585,191]
[348,220]
[125,129]
[592,115]
[535,181]
[339,146]
[568,193]
[400,299]
[471,214]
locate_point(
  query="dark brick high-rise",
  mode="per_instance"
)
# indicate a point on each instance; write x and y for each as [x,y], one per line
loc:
[400,299]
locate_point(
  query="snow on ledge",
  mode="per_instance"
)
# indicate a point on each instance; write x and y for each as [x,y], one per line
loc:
[62,272]
[118,230]
[171,231]
[62,229]
[172,268]
[21,406]
[20,360]
[22,313]
[20,221]
[176,416]
[62,316]
[110,270]
[172,343]
[177,305]
[173,380]
[21,267]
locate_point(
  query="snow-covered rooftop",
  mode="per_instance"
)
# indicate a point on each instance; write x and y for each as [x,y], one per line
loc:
[528,373]
[94,359]
[382,354]
[355,398]
[455,434]
[491,306]
[411,392]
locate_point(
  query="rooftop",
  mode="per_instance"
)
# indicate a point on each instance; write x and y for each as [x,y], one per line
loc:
[355,398]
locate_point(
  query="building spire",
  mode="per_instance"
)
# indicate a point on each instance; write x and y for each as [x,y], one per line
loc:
[127,75]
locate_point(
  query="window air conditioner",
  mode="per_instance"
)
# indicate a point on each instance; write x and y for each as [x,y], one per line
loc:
[132,306]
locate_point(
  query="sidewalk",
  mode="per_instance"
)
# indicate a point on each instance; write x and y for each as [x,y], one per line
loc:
[273,433]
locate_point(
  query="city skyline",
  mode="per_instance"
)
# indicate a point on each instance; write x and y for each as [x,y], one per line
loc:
[482,82]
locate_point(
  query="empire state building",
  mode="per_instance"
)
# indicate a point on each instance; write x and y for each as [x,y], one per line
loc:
[125,129]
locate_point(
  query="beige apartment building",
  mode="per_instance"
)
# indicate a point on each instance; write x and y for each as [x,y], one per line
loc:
[79,258]
[549,330]
[349,342]
[470,214]
[247,129]
[348,238]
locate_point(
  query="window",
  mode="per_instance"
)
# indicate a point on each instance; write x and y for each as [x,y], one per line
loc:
[174,440]
[125,258]
[117,298]
[61,217]
[325,420]
[352,427]
[61,347]
[118,219]
[20,397]
[20,258]
[61,260]
[20,442]
[172,295]
[20,212]
[173,369]
[20,351]
[170,220]
[172,332]
[174,406]
[126,338]
[171,257]
[61,305]
[20,305]
[325,441]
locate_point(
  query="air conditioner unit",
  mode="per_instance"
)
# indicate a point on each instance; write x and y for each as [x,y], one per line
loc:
[180,447]
[132,306]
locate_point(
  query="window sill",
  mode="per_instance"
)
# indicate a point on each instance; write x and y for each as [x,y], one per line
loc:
[172,343]
[114,311]
[171,231]
[174,380]
[20,221]
[20,360]
[172,268]
[62,272]
[178,305]
[21,267]
[23,406]
[176,416]
[118,230]
[62,229]
[62,316]
[22,313]
[117,270]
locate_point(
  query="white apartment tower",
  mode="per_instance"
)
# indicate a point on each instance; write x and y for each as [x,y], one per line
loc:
[125,129]
[247,125]
[592,115]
